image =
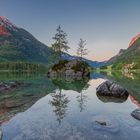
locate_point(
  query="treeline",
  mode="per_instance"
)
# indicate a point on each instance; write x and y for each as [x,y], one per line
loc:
[22,66]
[129,66]
[123,66]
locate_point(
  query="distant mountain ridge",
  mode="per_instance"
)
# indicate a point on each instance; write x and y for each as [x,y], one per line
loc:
[95,64]
[17,44]
[129,55]
[134,39]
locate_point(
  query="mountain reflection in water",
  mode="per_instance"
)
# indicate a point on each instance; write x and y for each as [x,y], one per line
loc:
[69,109]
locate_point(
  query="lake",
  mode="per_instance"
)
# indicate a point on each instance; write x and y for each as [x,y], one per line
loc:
[68,109]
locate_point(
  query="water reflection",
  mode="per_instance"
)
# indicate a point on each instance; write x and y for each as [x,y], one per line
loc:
[13,101]
[82,100]
[107,99]
[18,75]
[60,103]
[74,105]
[68,83]
[130,81]
[60,100]
[133,100]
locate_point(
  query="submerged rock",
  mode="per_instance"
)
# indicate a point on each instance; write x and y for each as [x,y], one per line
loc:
[136,114]
[13,104]
[1,134]
[72,68]
[105,123]
[101,123]
[9,85]
[109,88]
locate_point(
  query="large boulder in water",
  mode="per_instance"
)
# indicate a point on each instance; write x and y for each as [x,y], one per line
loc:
[71,68]
[136,114]
[109,88]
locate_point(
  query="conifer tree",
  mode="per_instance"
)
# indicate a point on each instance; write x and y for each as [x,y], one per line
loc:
[81,51]
[61,44]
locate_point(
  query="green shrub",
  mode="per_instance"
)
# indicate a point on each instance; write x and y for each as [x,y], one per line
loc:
[60,65]
[80,66]
[117,66]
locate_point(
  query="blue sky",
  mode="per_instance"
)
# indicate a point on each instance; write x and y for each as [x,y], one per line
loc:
[106,25]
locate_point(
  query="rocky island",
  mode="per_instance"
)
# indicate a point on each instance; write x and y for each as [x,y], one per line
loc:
[72,68]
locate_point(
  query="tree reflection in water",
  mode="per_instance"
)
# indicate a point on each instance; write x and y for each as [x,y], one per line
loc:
[60,104]
[60,100]
[82,99]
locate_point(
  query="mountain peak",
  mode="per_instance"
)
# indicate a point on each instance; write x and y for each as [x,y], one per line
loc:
[3,31]
[134,39]
[6,26]
[3,18]
[6,22]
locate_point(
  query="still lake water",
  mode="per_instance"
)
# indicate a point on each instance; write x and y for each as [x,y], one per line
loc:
[66,109]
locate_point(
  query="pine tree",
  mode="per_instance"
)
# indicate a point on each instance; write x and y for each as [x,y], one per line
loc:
[81,51]
[61,44]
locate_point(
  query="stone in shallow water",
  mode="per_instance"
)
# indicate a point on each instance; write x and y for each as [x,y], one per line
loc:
[136,114]
[13,104]
[10,85]
[101,123]
[0,133]
[105,123]
[27,94]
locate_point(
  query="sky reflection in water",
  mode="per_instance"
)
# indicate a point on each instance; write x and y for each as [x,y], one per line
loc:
[70,113]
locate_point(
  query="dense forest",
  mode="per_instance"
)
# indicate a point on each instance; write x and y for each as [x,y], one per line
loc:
[22,66]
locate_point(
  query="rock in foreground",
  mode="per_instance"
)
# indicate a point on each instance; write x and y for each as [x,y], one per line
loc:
[8,86]
[136,114]
[109,88]
[73,68]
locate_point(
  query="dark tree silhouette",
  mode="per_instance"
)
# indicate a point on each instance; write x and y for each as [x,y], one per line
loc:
[81,51]
[61,44]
